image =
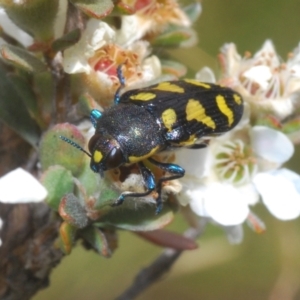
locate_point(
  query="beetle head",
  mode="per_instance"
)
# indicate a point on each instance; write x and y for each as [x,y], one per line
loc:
[105,152]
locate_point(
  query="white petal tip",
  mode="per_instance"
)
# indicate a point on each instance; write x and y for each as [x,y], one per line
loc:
[19,186]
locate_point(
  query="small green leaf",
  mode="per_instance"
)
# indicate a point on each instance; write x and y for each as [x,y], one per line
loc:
[67,234]
[176,37]
[97,240]
[72,211]
[85,104]
[106,196]
[67,40]
[90,180]
[36,17]
[94,8]
[58,181]
[14,112]
[55,151]
[136,215]
[24,90]
[123,8]
[292,129]
[23,59]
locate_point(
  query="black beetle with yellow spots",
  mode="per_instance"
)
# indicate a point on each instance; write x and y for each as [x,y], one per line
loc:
[160,117]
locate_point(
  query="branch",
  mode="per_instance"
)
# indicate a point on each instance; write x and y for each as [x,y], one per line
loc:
[159,266]
[27,253]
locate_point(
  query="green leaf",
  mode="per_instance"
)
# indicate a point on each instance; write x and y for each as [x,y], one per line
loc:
[123,8]
[136,215]
[107,194]
[58,181]
[97,240]
[14,112]
[67,235]
[292,129]
[94,8]
[176,37]
[86,103]
[23,59]
[36,17]
[55,151]
[72,211]
[90,180]
[67,40]
[24,90]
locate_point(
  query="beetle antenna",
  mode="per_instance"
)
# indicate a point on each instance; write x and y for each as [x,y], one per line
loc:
[74,145]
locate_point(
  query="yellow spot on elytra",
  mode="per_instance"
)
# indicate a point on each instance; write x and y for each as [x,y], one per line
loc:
[97,156]
[198,83]
[134,159]
[169,87]
[225,110]
[169,117]
[195,111]
[143,96]
[237,99]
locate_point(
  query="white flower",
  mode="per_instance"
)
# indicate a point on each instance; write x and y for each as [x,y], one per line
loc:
[86,55]
[101,51]
[96,35]
[151,17]
[19,186]
[233,170]
[263,80]
[280,191]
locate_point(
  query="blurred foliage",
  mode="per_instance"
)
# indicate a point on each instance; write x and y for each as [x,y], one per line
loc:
[217,270]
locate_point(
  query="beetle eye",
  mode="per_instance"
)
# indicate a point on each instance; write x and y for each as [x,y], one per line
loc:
[114,158]
[93,142]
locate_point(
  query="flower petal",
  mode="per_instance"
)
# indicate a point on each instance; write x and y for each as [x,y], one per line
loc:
[259,74]
[280,192]
[271,145]
[222,202]
[96,35]
[267,55]
[206,74]
[235,234]
[225,204]
[197,202]
[19,186]
[195,162]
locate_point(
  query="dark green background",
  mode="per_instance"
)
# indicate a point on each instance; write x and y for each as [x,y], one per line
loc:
[263,265]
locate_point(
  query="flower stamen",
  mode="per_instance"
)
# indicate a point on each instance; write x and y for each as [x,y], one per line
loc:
[235,162]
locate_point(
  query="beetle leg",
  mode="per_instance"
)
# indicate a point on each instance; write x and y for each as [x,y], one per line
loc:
[95,115]
[122,84]
[175,170]
[149,182]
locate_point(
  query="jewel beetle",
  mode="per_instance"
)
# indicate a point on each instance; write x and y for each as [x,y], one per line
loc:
[160,117]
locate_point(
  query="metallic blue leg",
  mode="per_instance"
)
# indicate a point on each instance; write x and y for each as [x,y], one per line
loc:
[122,84]
[175,170]
[95,115]
[149,182]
